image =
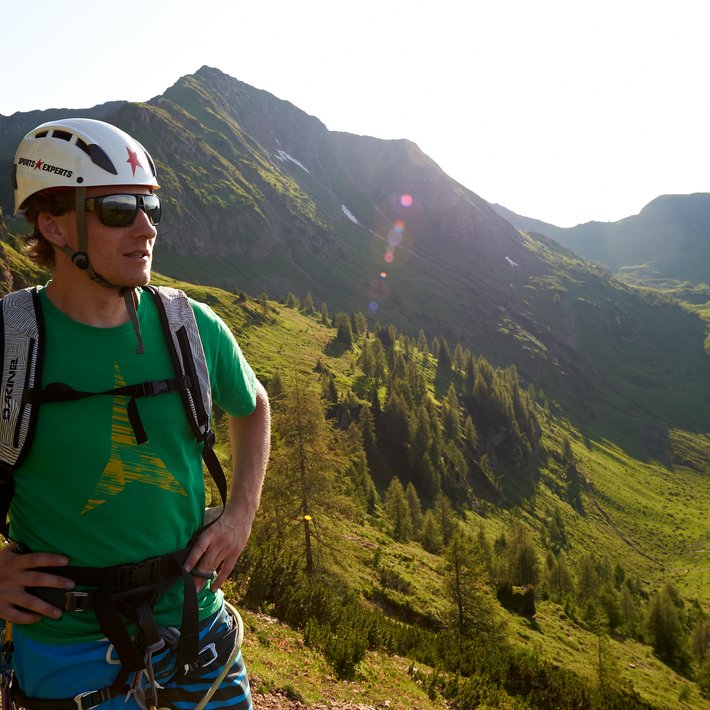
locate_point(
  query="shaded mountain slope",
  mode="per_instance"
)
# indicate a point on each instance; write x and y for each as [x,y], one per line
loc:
[668,239]
[261,196]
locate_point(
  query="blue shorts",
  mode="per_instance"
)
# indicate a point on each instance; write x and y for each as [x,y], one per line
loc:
[63,671]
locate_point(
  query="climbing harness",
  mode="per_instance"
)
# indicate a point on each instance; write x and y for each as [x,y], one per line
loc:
[145,687]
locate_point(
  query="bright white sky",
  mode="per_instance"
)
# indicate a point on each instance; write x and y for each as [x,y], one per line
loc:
[563,110]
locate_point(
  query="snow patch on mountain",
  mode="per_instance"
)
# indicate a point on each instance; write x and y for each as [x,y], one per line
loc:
[349,214]
[283,156]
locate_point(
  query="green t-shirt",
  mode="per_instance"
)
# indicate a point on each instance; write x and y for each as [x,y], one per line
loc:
[86,489]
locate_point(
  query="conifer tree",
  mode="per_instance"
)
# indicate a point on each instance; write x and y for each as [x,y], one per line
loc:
[422,344]
[451,414]
[430,535]
[264,303]
[365,489]
[398,512]
[415,382]
[523,562]
[396,421]
[558,577]
[398,369]
[556,534]
[469,373]
[485,550]
[328,388]
[443,361]
[459,359]
[701,638]
[630,611]
[444,513]
[472,609]
[378,353]
[366,360]
[359,323]
[664,629]
[415,508]
[421,440]
[307,306]
[587,578]
[470,438]
[307,460]
[344,330]
[455,478]
[367,427]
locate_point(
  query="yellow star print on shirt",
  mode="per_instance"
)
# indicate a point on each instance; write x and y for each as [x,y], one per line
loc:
[129,463]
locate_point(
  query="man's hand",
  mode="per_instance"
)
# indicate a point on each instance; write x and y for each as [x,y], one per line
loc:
[218,548]
[18,572]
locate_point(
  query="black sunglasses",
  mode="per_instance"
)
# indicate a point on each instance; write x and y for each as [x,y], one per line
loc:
[120,210]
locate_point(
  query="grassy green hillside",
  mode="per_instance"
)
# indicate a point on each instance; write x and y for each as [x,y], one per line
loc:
[603,531]
[646,517]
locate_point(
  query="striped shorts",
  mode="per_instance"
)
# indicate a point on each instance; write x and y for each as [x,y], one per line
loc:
[52,671]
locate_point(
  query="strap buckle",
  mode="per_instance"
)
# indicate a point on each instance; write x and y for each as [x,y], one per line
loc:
[92,698]
[73,601]
[141,574]
[155,387]
[208,654]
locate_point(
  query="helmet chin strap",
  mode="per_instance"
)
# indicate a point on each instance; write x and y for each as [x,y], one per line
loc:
[80,259]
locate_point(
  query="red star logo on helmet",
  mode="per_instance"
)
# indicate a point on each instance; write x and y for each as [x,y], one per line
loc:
[38,165]
[133,160]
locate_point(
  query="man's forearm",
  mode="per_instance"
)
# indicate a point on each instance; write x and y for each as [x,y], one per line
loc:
[250,438]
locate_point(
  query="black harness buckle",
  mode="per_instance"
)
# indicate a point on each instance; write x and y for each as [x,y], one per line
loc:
[78,601]
[142,574]
[92,698]
[154,387]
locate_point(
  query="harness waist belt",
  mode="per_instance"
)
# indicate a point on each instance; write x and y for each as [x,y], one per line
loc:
[118,578]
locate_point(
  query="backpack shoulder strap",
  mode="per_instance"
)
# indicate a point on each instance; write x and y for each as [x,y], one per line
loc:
[186,350]
[21,357]
[188,355]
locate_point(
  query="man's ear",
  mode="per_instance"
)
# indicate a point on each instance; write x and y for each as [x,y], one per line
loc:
[52,228]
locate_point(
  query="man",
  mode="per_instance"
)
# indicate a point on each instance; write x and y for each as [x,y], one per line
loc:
[114,481]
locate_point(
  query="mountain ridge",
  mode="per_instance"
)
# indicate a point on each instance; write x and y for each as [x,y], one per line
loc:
[254,190]
[668,239]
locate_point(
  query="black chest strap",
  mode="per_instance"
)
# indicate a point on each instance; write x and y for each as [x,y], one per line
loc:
[61,392]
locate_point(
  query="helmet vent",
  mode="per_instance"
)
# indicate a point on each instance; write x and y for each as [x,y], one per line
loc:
[42,134]
[150,161]
[99,157]
[63,135]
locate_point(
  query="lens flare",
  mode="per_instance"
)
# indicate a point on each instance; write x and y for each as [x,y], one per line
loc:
[394,238]
[406,200]
[383,274]
[373,306]
[389,256]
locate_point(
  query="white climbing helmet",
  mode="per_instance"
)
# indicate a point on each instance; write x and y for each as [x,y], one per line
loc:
[79,152]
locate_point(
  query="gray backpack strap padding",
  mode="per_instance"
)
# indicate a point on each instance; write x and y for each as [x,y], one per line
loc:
[188,355]
[186,339]
[21,372]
